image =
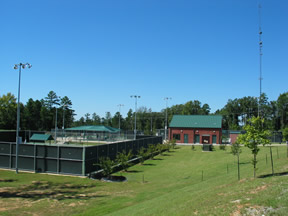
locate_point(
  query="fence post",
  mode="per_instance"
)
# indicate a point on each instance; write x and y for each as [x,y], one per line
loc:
[10,155]
[202,175]
[277,153]
[271,160]
[83,160]
[34,157]
[58,160]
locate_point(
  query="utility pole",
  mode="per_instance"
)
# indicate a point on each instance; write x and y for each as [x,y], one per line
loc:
[260,57]
[166,119]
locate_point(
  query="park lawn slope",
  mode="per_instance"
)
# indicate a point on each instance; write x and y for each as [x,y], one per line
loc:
[171,184]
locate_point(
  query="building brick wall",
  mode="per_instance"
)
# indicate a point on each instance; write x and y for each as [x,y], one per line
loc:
[191,132]
[233,137]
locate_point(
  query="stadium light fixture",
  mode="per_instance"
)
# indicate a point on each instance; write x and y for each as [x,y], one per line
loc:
[16,66]
[135,124]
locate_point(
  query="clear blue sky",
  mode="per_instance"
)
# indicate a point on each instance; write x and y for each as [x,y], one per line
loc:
[98,53]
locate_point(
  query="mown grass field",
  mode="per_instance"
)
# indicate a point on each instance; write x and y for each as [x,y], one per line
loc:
[169,185]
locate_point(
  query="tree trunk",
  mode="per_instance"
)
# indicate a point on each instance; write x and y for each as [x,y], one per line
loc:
[238,166]
[254,164]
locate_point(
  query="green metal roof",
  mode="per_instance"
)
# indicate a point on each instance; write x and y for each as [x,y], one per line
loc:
[196,121]
[41,137]
[96,128]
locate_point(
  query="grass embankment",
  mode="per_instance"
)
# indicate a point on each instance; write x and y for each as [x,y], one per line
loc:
[169,185]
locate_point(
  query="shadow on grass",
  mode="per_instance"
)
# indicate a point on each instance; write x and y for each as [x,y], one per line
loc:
[148,164]
[8,180]
[133,171]
[241,163]
[157,159]
[166,154]
[275,174]
[40,190]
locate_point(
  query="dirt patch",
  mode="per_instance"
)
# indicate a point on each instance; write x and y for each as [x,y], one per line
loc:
[258,189]
[237,212]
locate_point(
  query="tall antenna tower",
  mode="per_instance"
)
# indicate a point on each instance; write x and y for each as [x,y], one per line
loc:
[260,56]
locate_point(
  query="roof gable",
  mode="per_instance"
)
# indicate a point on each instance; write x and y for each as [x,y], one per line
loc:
[41,137]
[99,128]
[196,121]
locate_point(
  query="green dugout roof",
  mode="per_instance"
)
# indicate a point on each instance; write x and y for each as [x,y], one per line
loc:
[41,137]
[96,128]
[196,121]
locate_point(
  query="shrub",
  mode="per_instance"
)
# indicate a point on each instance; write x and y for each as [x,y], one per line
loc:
[173,143]
[161,148]
[222,147]
[123,159]
[142,154]
[193,148]
[106,164]
[151,150]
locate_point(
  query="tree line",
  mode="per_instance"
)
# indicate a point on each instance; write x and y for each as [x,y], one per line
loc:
[41,114]
[36,114]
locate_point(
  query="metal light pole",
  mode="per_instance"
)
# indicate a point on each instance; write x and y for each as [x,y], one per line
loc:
[166,119]
[56,120]
[151,133]
[56,126]
[20,65]
[135,127]
[120,105]
[63,125]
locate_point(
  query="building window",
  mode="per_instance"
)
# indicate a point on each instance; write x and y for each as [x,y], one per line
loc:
[176,136]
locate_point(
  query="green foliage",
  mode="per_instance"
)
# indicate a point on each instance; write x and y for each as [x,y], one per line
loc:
[172,143]
[254,136]
[285,134]
[106,164]
[142,154]
[52,99]
[123,158]
[193,148]
[151,151]
[222,147]
[35,115]
[161,148]
[236,149]
[282,107]
[8,111]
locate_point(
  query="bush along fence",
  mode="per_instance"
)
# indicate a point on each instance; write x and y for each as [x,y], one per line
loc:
[125,159]
[64,159]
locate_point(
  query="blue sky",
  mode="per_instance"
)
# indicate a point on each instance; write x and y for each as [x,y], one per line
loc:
[98,53]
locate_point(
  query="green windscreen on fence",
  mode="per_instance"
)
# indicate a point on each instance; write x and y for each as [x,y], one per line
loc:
[75,160]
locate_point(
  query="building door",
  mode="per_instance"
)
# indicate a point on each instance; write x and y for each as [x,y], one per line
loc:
[197,138]
[185,138]
[206,139]
[214,138]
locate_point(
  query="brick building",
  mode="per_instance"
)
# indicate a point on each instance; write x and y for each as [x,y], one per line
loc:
[203,129]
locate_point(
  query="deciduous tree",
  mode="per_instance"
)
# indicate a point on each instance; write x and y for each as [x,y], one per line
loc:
[254,136]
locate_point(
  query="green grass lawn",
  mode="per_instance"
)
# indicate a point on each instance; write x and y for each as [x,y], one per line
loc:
[169,185]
